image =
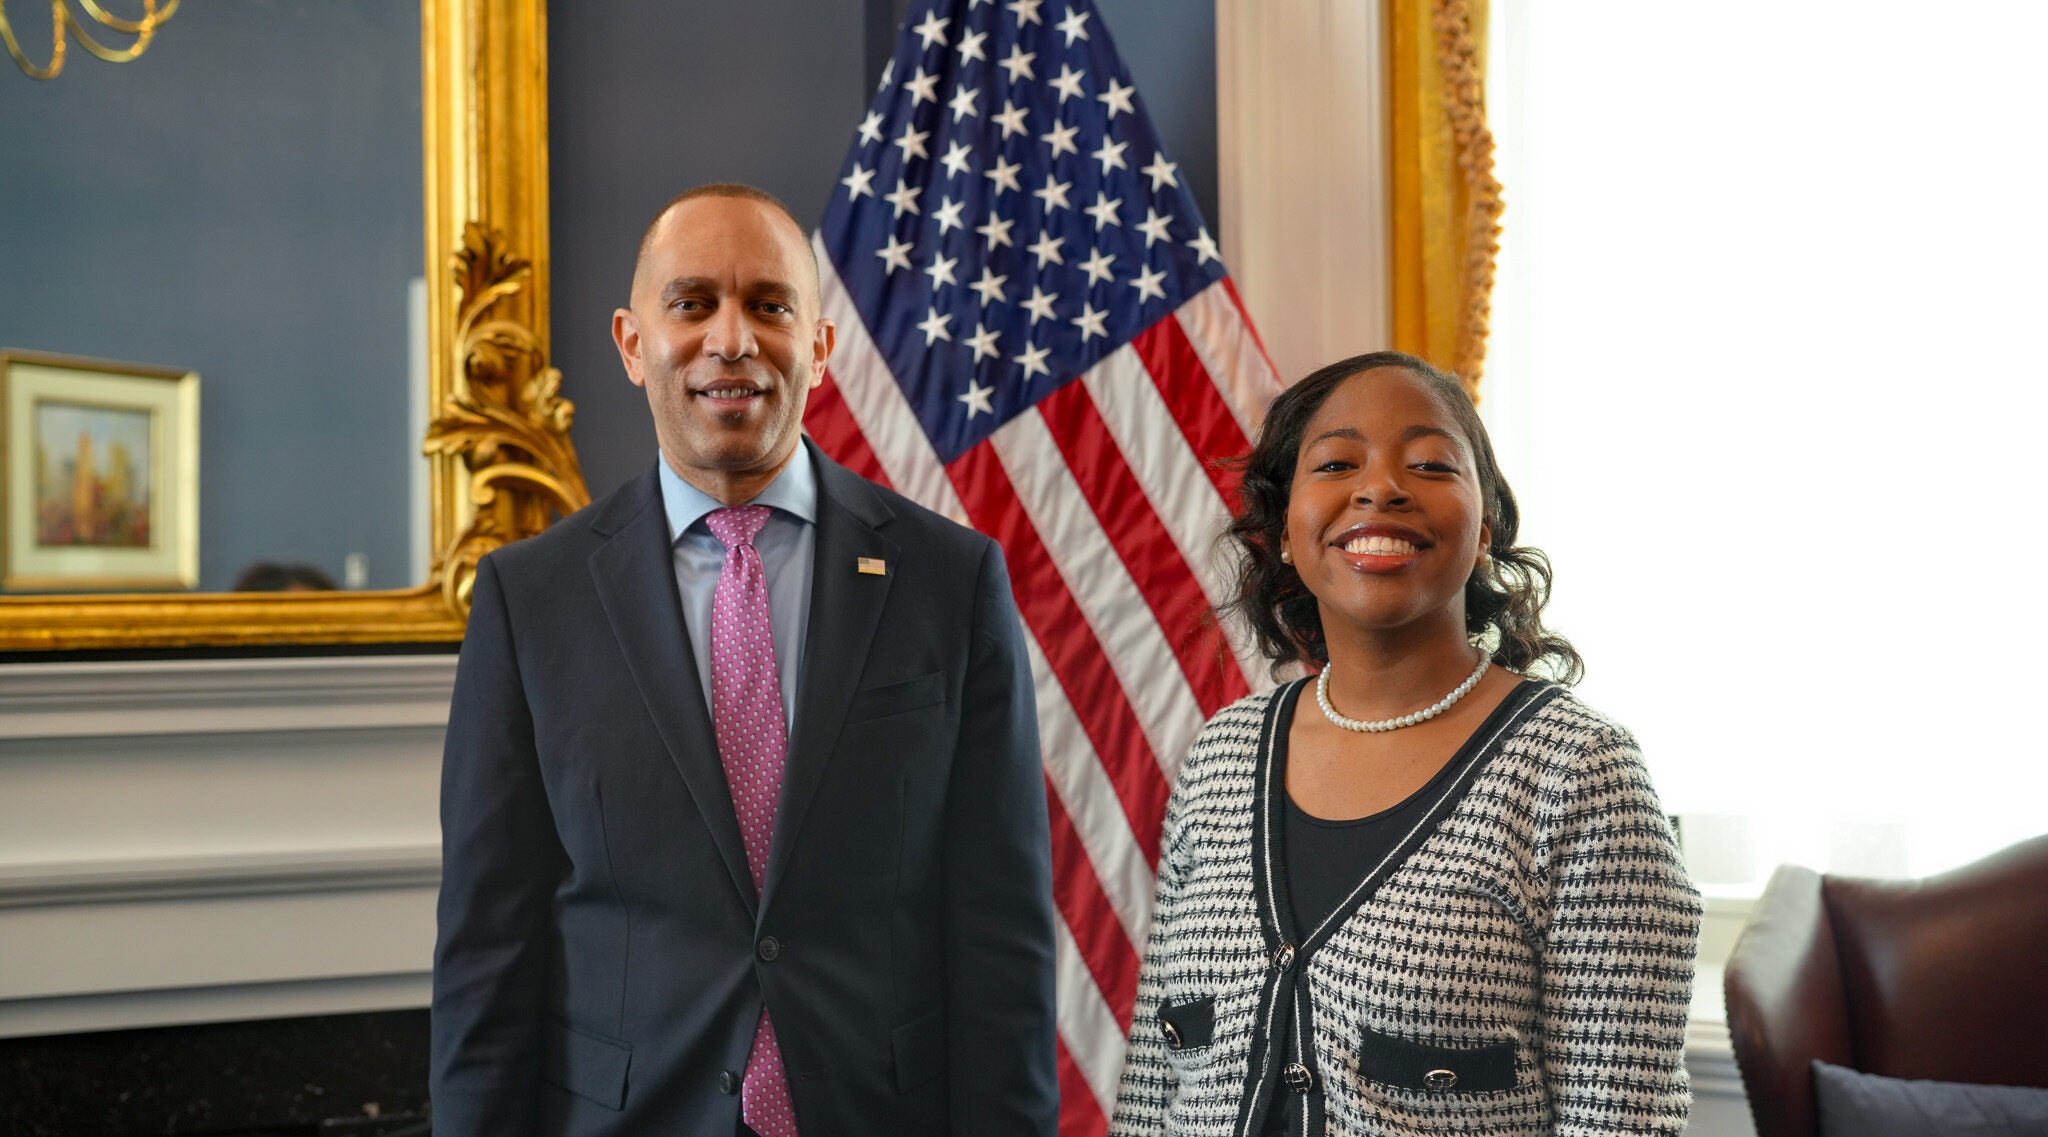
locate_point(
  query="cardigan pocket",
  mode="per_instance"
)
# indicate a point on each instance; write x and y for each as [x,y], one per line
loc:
[1435,1069]
[1190,1025]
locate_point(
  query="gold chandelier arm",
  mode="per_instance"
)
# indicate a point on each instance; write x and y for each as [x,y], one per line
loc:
[144,26]
[57,20]
[62,19]
[144,30]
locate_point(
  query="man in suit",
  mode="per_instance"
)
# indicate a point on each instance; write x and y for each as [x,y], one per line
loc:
[743,820]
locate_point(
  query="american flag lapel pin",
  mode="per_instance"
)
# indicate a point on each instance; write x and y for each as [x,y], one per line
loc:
[872,566]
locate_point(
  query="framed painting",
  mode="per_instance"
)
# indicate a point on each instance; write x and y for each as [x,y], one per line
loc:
[99,483]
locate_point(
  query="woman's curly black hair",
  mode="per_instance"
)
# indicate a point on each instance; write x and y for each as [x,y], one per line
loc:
[1505,594]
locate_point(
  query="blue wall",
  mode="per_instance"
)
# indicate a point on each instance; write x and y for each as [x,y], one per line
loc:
[244,201]
[648,98]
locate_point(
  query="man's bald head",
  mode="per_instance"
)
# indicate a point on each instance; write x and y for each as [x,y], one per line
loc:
[742,192]
[725,335]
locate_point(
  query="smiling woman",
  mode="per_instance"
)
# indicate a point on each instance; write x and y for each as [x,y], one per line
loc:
[1438,918]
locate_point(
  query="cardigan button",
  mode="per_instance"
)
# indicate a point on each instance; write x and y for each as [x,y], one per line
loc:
[1283,957]
[1172,1034]
[1298,1077]
[1440,1080]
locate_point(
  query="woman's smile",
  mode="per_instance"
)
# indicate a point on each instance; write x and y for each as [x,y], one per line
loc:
[1380,547]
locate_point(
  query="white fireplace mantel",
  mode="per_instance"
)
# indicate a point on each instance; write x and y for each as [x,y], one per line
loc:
[197,841]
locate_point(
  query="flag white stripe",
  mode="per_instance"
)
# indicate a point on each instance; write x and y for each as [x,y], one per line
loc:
[1091,803]
[1093,1038]
[1229,353]
[1174,481]
[1101,587]
[877,404]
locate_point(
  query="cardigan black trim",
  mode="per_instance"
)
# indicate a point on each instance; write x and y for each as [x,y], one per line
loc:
[1284,999]
[1275,1007]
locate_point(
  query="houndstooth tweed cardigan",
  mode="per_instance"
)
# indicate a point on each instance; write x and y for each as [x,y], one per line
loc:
[1520,964]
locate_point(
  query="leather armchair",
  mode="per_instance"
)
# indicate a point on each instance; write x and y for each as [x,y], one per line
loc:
[1944,978]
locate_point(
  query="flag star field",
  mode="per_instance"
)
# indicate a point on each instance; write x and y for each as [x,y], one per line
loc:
[1049,184]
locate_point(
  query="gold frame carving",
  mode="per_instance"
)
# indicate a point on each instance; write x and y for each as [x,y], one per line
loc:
[1444,203]
[499,447]
[505,418]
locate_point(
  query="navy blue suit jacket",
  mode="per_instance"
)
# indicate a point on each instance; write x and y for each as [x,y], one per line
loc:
[602,957]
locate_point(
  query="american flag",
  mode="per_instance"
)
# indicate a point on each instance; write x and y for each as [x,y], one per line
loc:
[1037,338]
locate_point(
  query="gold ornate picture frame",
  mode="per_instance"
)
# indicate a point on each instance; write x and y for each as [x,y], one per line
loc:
[502,464]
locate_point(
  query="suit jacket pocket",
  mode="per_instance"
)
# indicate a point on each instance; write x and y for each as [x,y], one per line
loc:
[895,698]
[586,1065]
[919,1047]
[1189,1025]
[1435,1069]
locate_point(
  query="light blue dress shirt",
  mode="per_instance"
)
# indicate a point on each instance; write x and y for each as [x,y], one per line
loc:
[786,542]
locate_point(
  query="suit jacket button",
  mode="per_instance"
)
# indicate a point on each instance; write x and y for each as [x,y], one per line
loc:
[727,1083]
[768,948]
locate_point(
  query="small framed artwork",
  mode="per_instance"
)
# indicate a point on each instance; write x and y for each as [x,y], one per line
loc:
[99,475]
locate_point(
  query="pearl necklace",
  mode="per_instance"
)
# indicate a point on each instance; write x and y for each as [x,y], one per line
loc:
[1396,723]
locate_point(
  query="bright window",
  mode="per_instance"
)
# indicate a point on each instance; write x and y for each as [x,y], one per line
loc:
[1768,378]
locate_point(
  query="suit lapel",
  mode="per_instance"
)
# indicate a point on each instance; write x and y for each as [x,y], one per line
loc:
[635,578]
[846,609]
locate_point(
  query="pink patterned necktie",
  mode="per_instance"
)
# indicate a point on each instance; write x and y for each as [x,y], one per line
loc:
[753,744]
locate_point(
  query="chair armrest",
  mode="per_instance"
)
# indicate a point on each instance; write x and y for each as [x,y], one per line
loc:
[1785,1002]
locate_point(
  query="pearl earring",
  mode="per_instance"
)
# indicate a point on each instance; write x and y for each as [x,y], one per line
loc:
[1286,558]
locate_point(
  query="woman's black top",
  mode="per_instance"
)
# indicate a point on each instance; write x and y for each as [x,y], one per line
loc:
[1326,859]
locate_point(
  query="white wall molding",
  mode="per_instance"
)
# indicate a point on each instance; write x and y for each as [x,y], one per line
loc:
[1301,157]
[234,874]
[192,841]
[124,1010]
[73,700]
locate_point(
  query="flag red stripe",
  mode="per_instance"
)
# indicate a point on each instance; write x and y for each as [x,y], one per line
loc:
[1197,408]
[830,424]
[1144,545]
[1080,1114]
[1107,951]
[1077,657]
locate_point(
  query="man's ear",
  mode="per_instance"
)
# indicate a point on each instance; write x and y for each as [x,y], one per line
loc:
[821,349]
[626,334]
